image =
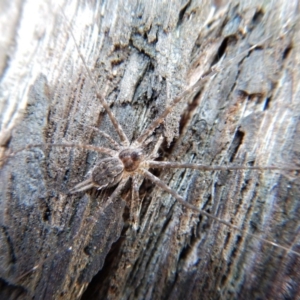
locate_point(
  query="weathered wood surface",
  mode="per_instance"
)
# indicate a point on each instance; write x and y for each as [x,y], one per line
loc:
[142,55]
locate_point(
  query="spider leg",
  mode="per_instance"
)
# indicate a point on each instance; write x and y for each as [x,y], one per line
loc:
[63,145]
[193,87]
[168,164]
[104,103]
[135,205]
[145,143]
[82,186]
[180,199]
[160,119]
[154,153]
[116,192]
[107,136]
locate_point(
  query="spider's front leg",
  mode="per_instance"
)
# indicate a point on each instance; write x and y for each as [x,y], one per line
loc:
[135,205]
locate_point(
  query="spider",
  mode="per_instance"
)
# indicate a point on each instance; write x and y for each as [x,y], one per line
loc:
[132,160]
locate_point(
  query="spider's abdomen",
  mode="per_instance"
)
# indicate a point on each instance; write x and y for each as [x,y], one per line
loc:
[131,159]
[108,172]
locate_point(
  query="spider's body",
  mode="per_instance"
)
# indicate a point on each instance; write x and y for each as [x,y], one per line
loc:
[110,171]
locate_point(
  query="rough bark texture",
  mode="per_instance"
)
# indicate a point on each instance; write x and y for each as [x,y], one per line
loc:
[142,54]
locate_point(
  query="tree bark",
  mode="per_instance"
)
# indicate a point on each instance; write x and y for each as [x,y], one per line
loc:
[245,111]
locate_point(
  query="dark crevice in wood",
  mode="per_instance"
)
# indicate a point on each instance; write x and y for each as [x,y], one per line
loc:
[189,111]
[46,213]
[267,103]
[258,17]
[11,291]
[221,51]
[182,13]
[236,143]
[287,52]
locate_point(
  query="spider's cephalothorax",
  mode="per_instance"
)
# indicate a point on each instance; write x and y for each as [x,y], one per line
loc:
[131,159]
